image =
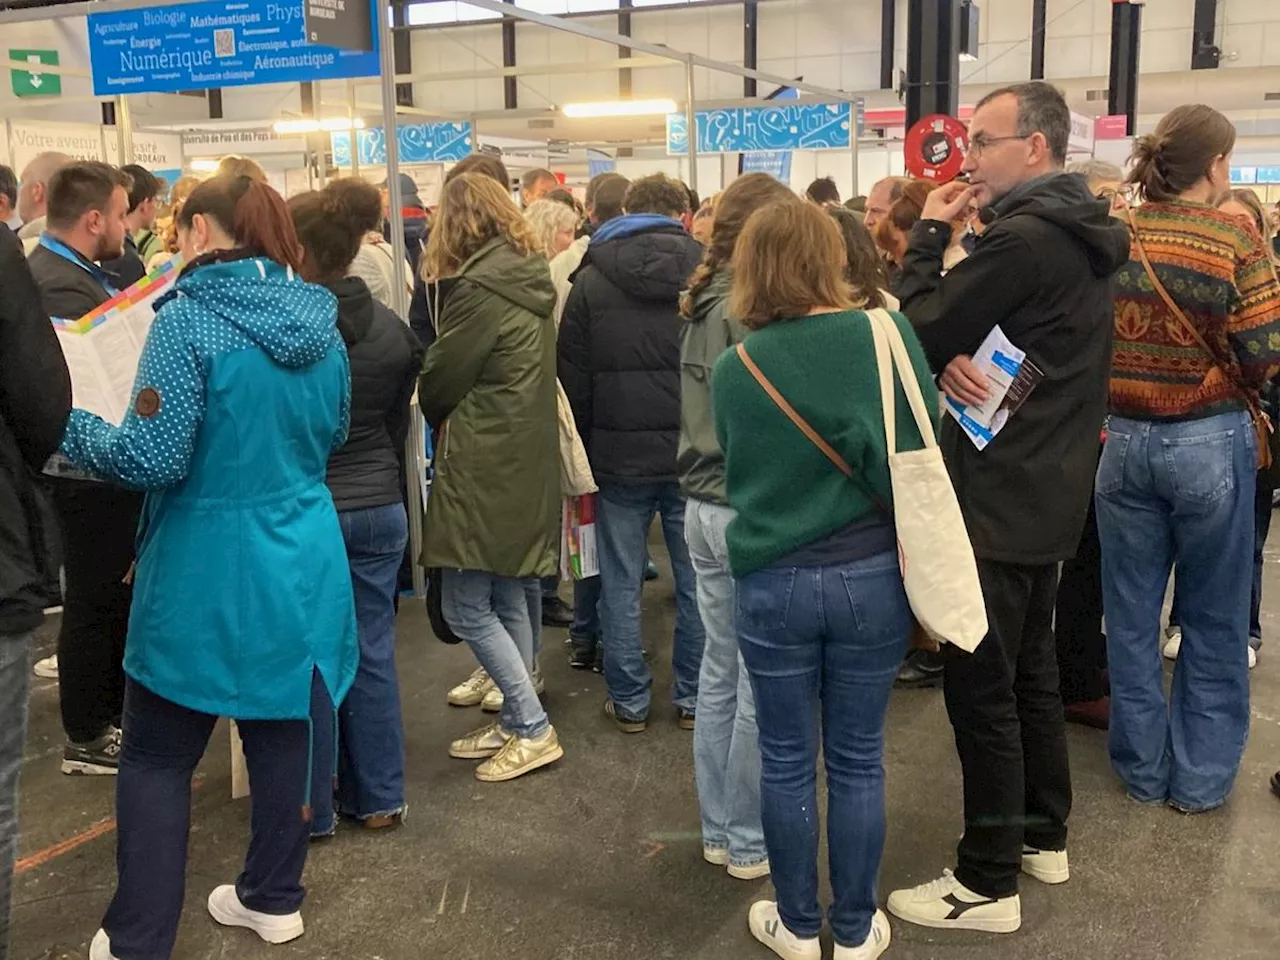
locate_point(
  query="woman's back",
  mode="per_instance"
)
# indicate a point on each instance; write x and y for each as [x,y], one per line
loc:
[1218,274]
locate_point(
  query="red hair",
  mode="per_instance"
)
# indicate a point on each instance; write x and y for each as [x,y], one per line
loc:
[251,212]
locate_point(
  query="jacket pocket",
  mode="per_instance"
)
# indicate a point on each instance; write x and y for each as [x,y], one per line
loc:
[1111,464]
[1202,469]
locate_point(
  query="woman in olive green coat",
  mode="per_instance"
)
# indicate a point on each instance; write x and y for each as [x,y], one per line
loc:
[493,516]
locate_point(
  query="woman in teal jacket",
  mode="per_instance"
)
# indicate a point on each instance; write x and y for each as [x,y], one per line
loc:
[242,597]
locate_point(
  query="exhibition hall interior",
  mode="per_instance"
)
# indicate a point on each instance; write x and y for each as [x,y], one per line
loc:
[639,479]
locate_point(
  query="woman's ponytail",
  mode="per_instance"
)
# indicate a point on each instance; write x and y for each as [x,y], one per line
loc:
[1179,154]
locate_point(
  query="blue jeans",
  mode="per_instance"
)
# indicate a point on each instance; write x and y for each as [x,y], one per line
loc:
[370,743]
[726,749]
[163,742]
[822,646]
[625,513]
[15,681]
[1178,494]
[492,614]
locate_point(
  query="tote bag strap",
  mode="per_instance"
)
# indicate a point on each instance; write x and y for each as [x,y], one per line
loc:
[889,342]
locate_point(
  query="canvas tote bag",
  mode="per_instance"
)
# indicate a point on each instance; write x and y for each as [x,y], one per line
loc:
[939,570]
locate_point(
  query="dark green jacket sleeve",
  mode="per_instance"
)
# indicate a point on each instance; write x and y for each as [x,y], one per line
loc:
[469,329]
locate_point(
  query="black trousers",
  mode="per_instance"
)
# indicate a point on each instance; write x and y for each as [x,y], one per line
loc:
[1006,711]
[98,523]
[1082,646]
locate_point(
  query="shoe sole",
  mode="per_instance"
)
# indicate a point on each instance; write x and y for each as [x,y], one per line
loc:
[756,872]
[281,935]
[474,754]
[717,857]
[977,924]
[468,702]
[627,726]
[684,724]
[1053,878]
[541,761]
[491,709]
[82,768]
[46,674]
[772,946]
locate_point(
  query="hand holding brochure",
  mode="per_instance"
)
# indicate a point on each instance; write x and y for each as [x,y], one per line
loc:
[102,348]
[1011,377]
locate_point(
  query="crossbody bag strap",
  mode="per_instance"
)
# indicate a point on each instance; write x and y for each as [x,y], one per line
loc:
[803,426]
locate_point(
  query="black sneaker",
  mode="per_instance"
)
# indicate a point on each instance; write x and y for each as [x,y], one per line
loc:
[685,718]
[99,758]
[921,669]
[556,613]
[583,654]
[625,723]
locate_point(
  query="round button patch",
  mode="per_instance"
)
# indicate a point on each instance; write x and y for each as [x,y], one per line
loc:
[148,403]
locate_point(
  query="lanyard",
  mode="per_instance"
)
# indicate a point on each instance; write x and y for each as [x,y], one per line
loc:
[56,246]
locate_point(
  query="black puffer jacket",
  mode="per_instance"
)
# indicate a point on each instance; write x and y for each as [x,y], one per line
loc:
[619,346]
[35,398]
[385,360]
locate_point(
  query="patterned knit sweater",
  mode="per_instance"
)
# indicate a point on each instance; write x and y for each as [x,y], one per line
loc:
[1216,270]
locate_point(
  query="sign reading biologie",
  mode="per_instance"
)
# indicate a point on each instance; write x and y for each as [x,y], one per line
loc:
[216,43]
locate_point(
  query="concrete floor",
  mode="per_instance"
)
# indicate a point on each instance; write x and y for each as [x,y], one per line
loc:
[597,858]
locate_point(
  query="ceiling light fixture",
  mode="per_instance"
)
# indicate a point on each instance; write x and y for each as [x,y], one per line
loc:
[619,108]
[311,125]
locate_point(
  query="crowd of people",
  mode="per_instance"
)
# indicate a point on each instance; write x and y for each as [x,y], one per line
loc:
[714,365]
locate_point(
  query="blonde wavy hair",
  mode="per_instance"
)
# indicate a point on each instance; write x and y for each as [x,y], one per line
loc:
[548,218]
[474,209]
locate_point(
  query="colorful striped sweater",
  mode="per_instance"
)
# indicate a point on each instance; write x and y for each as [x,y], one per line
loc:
[1216,270]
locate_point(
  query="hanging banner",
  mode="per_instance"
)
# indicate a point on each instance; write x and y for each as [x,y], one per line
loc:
[215,43]
[80,141]
[1081,137]
[345,24]
[419,143]
[599,162]
[218,143]
[776,165]
[155,151]
[803,126]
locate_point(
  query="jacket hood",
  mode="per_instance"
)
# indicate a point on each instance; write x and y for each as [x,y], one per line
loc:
[355,308]
[522,280]
[290,319]
[648,256]
[1064,200]
[710,296]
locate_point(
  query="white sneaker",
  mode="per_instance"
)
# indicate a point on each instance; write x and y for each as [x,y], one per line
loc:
[717,856]
[1173,644]
[471,690]
[877,941]
[100,947]
[947,904]
[46,669]
[767,927]
[493,700]
[226,908]
[1253,658]
[1047,866]
[753,872]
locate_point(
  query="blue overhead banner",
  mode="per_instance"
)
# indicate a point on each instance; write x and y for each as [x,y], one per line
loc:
[801,126]
[216,43]
[419,143]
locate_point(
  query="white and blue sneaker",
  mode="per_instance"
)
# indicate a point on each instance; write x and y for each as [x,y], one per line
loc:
[877,941]
[768,928]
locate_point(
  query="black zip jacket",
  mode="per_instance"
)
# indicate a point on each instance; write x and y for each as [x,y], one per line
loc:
[1042,271]
[385,360]
[619,347]
[35,399]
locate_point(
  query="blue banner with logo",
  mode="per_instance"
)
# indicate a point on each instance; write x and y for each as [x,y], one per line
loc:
[216,43]
[599,162]
[801,126]
[419,143]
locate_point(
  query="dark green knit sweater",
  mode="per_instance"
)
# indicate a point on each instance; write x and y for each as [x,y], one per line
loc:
[787,494]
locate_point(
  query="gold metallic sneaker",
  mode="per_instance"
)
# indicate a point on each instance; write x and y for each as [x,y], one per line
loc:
[521,756]
[479,744]
[471,690]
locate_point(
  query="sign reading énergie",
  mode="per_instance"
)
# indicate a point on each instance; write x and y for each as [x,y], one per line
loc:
[217,43]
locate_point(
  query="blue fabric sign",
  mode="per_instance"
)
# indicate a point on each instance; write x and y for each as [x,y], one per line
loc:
[777,165]
[419,143]
[807,126]
[216,43]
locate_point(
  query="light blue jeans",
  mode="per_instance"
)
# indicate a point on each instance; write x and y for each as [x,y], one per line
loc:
[491,613]
[726,749]
[1178,493]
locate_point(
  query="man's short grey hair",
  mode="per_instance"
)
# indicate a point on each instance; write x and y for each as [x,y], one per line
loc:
[1096,171]
[1041,109]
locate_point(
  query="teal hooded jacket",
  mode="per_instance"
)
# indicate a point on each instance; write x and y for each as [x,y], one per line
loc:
[242,587]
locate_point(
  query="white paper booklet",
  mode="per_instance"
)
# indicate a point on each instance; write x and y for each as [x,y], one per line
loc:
[1011,378]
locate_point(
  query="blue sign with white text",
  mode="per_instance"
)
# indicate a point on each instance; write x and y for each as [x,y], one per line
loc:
[1269,174]
[216,43]
[802,126]
[418,142]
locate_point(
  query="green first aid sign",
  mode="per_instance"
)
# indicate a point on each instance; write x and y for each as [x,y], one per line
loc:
[33,83]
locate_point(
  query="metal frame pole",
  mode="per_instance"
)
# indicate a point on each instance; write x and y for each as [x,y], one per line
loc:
[691,121]
[355,134]
[124,129]
[395,201]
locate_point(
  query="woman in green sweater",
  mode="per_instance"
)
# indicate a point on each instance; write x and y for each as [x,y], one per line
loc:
[822,616]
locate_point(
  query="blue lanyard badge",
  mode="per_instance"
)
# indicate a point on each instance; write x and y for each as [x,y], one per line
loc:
[54,245]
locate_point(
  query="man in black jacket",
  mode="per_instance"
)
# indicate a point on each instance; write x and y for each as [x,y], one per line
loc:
[35,398]
[88,203]
[1042,272]
[619,363]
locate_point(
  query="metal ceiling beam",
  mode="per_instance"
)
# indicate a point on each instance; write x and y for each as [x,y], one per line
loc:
[567,25]
[529,70]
